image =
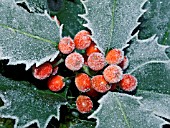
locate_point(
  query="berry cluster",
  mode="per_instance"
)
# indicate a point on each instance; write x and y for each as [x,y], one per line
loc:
[94,73]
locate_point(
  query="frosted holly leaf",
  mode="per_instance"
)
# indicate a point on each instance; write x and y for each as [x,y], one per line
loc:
[39,6]
[112,21]
[154,77]
[26,104]
[158,103]
[68,16]
[142,52]
[154,87]
[26,37]
[124,111]
[156,21]
[83,124]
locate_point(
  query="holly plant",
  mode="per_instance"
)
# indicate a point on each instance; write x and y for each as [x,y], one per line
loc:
[84,63]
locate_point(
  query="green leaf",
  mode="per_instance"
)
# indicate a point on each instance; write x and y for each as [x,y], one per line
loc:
[154,87]
[154,77]
[68,16]
[39,6]
[142,52]
[83,124]
[26,104]
[156,21]
[26,37]
[112,21]
[124,111]
[158,103]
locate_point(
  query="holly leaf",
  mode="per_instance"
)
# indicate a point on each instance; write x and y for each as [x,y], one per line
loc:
[26,37]
[83,124]
[156,21]
[39,6]
[68,16]
[27,105]
[154,87]
[112,21]
[124,111]
[142,52]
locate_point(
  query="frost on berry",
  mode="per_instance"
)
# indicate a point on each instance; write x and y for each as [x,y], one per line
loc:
[84,104]
[43,71]
[66,45]
[96,61]
[125,63]
[74,61]
[128,83]
[113,74]
[56,83]
[114,56]
[91,49]
[83,82]
[82,40]
[100,84]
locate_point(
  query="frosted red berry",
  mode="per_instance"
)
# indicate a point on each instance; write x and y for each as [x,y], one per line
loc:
[83,82]
[100,84]
[91,49]
[82,40]
[128,83]
[96,61]
[114,56]
[124,64]
[84,104]
[43,71]
[113,74]
[56,83]
[74,61]
[66,45]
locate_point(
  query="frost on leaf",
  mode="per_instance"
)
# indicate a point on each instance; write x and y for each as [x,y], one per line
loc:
[154,87]
[26,37]
[154,77]
[142,52]
[83,124]
[37,5]
[158,103]
[112,21]
[27,105]
[124,111]
[156,21]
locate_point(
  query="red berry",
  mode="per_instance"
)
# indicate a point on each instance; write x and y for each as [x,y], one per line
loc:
[66,45]
[113,74]
[91,49]
[84,104]
[43,71]
[92,93]
[114,56]
[124,64]
[83,82]
[96,61]
[74,61]
[82,40]
[56,83]
[113,87]
[100,84]
[128,83]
